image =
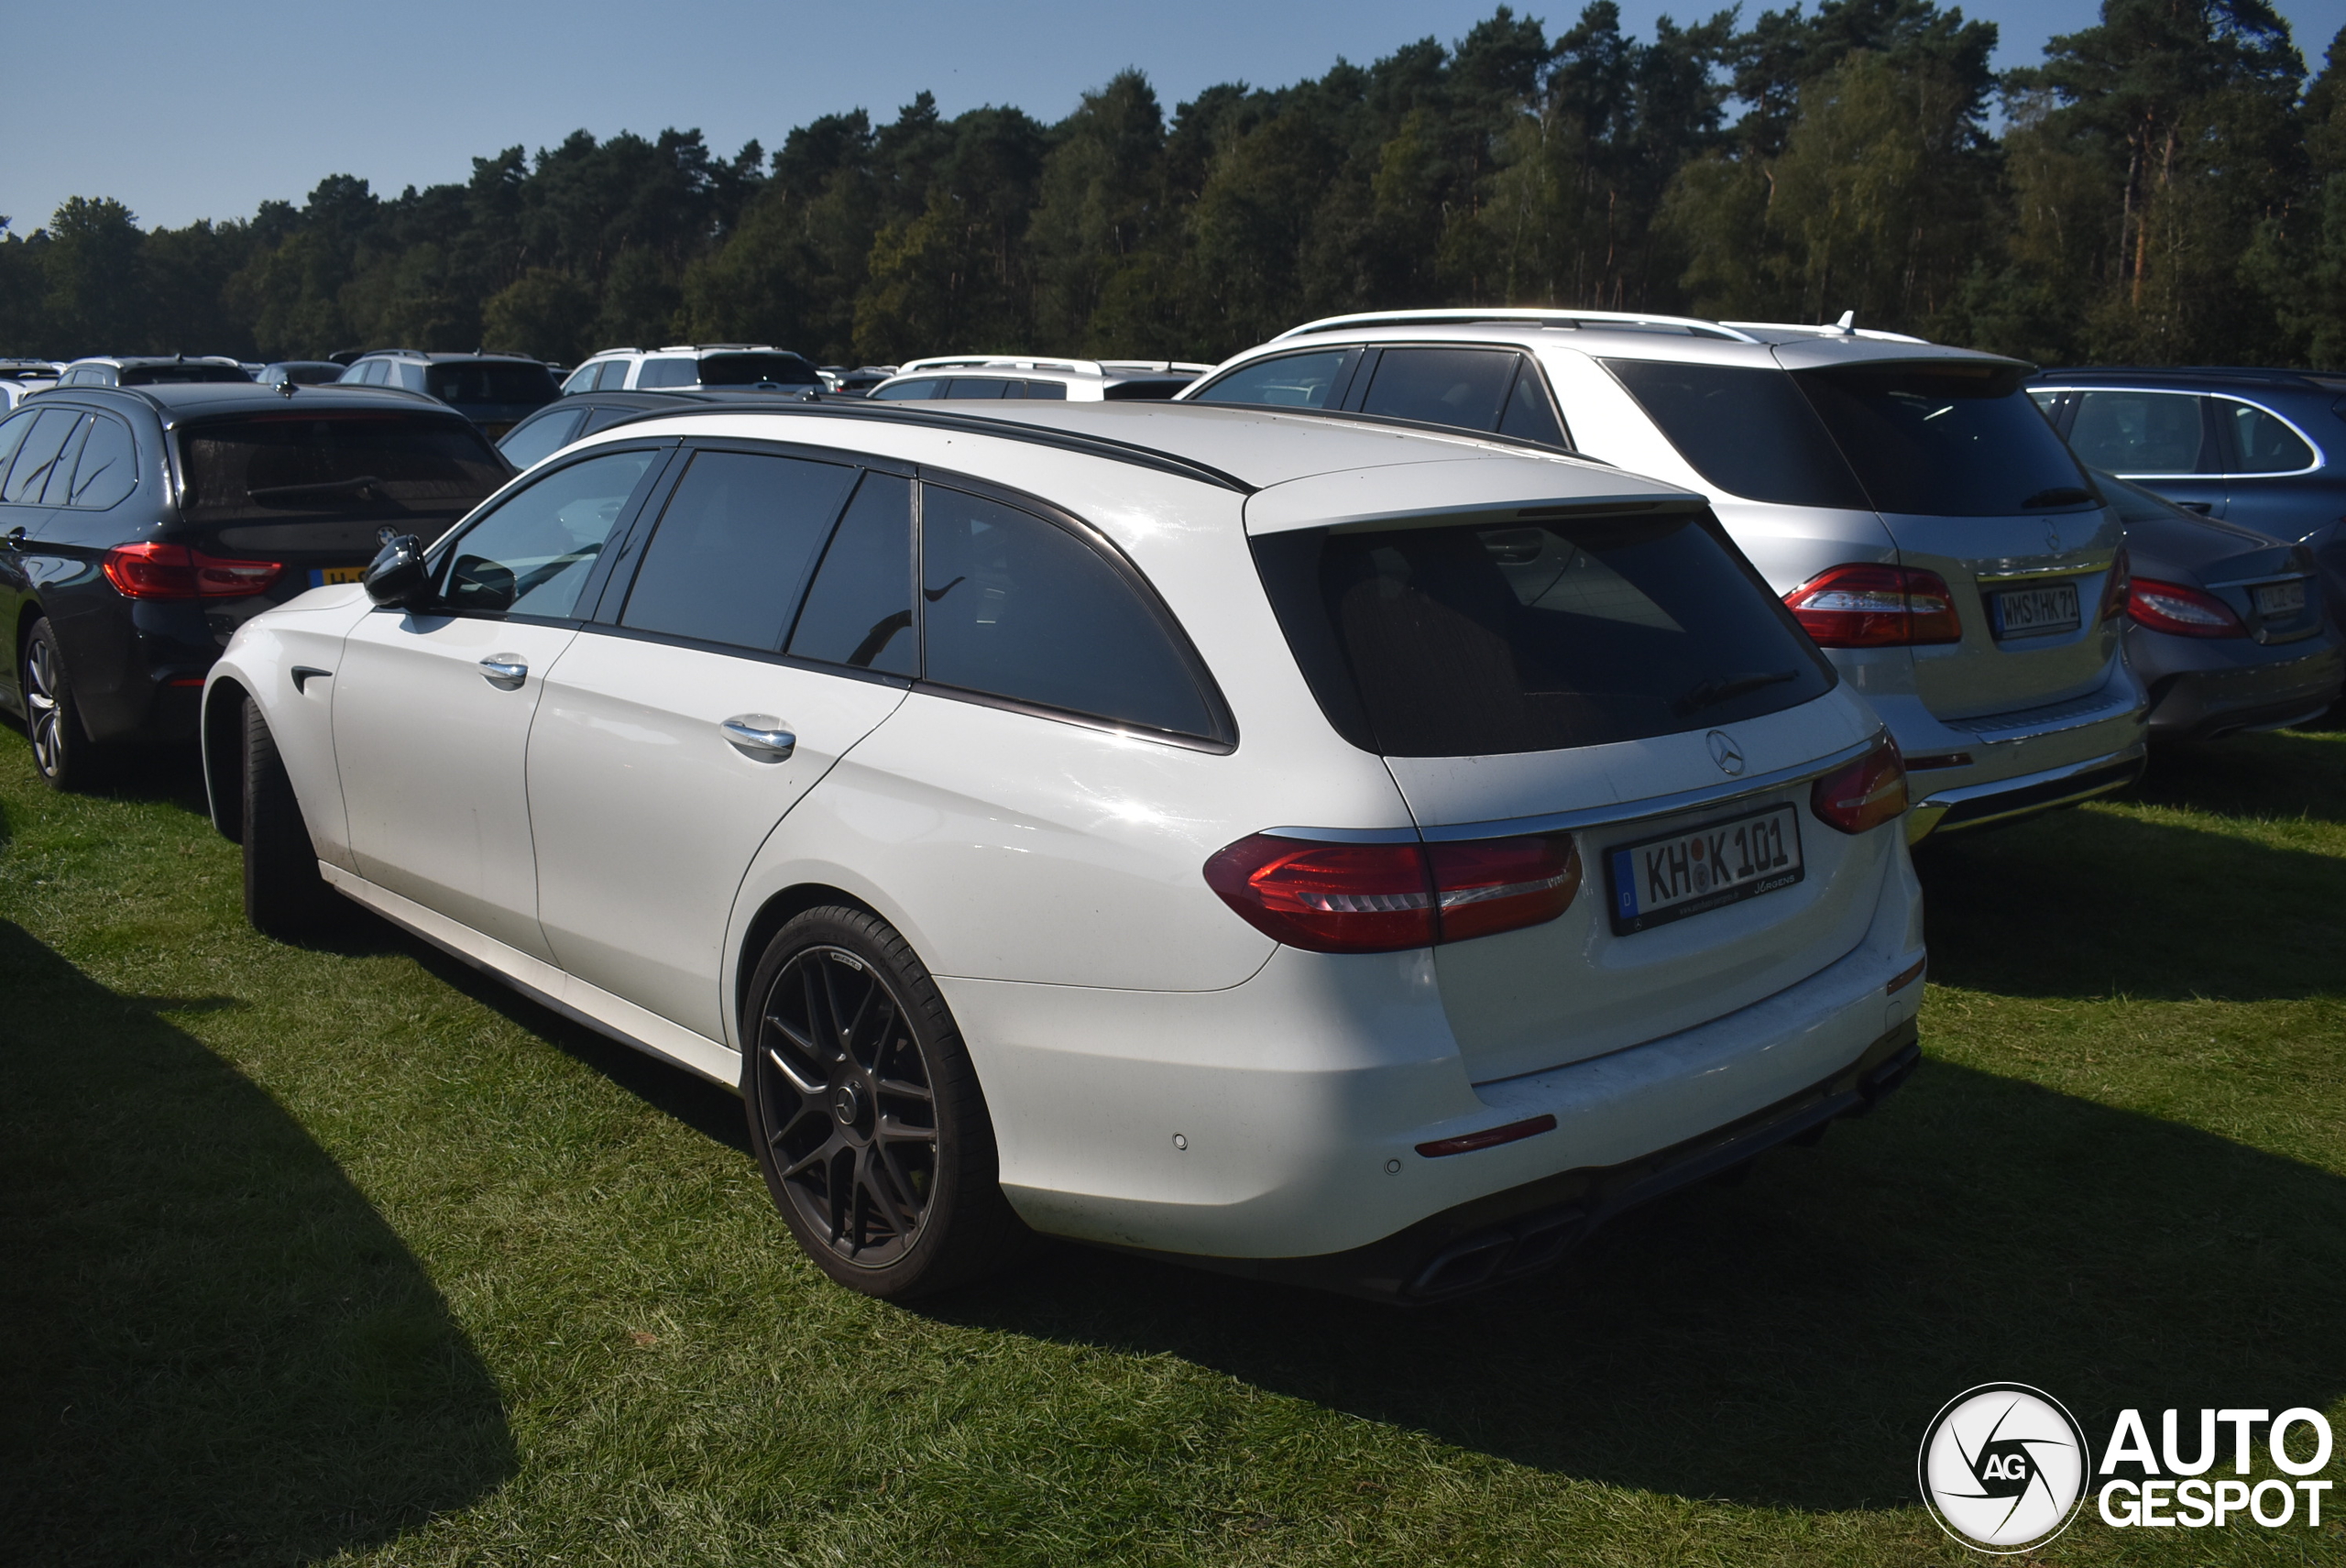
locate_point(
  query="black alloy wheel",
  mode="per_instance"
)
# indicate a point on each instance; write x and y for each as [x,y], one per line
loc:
[865,1112]
[63,752]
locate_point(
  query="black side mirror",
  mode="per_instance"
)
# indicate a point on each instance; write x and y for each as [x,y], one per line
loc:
[397,578]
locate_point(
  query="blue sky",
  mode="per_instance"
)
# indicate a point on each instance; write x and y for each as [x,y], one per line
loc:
[186,111]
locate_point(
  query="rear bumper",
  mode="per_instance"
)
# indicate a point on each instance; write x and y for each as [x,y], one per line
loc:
[1275,1128]
[2000,767]
[2008,800]
[2206,704]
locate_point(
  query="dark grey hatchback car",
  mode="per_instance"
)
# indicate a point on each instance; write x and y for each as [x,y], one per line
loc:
[140,527]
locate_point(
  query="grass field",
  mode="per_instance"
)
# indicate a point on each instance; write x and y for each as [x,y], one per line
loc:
[350,1254]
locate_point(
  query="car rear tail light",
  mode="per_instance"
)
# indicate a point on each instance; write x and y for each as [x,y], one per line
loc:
[1867,793]
[2114,585]
[176,572]
[1876,607]
[1382,898]
[2187,612]
[1487,885]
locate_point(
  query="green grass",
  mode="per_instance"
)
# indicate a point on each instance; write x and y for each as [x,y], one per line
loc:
[351,1255]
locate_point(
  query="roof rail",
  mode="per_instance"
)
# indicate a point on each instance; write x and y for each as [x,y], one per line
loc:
[1693,326]
[1152,366]
[1830,329]
[1002,362]
[967,421]
[704,349]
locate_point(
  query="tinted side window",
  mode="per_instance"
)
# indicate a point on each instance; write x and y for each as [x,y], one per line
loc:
[923,387]
[673,372]
[1746,430]
[1530,413]
[1058,389]
[108,469]
[533,554]
[860,611]
[984,387]
[612,374]
[733,548]
[61,473]
[1289,381]
[1461,386]
[12,435]
[36,457]
[2138,433]
[2265,443]
[1019,608]
[581,379]
[536,440]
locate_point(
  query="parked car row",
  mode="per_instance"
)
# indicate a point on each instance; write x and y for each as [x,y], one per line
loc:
[1363,814]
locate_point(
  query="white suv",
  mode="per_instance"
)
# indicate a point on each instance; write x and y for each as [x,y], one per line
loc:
[1072,380]
[1337,854]
[1908,500]
[749,366]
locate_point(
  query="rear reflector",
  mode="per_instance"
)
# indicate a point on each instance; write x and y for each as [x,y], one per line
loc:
[1867,793]
[2179,610]
[1489,1137]
[1382,898]
[176,572]
[1907,976]
[1875,607]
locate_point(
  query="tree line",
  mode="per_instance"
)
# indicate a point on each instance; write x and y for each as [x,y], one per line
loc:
[2167,186]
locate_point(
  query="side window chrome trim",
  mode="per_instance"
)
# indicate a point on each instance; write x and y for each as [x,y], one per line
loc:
[1068,715]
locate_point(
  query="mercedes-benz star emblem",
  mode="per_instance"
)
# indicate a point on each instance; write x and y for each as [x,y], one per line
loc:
[1725,753]
[2053,536]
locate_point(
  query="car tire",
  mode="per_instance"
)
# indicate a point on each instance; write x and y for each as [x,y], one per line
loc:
[866,1114]
[63,754]
[284,895]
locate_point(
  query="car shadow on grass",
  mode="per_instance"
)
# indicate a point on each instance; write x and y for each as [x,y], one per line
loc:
[210,1346]
[1784,1344]
[2098,902]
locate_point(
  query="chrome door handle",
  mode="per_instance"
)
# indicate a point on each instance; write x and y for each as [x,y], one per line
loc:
[761,735]
[504,671]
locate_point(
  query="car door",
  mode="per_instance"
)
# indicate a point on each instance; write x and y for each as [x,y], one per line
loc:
[2163,441]
[432,707]
[677,731]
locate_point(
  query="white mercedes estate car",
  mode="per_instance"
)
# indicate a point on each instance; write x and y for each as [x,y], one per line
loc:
[1354,856]
[1906,499]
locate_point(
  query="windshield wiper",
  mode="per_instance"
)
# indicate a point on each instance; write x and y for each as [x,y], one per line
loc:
[2058,496]
[357,488]
[1720,689]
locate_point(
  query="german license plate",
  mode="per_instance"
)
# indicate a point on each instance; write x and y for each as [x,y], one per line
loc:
[2279,601]
[1660,880]
[321,575]
[2035,611]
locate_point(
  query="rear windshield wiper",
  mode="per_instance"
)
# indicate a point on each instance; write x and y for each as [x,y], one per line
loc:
[2058,496]
[1720,689]
[357,486]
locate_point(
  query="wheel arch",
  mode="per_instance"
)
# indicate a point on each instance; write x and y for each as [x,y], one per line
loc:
[777,911]
[224,752]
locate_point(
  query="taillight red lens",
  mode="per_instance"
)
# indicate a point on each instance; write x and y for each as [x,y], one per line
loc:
[2185,611]
[1876,607]
[176,572]
[1497,884]
[1330,898]
[1867,793]
[1382,898]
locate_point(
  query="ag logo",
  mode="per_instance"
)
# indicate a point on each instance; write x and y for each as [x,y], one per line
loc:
[2003,1467]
